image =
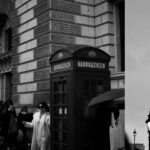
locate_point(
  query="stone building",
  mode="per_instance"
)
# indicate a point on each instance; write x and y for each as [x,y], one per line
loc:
[31,30]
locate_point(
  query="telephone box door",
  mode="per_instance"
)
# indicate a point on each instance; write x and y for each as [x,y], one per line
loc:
[60,95]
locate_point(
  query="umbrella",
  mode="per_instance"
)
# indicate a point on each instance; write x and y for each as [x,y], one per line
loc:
[107,96]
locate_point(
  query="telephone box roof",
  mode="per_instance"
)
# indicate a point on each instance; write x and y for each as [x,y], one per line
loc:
[79,51]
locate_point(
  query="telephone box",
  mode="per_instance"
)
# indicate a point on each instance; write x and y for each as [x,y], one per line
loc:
[78,73]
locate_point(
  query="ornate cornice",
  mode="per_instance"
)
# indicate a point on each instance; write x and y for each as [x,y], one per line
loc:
[5,62]
[7,55]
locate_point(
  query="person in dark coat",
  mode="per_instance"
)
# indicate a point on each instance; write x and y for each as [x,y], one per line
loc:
[9,124]
[2,139]
[23,116]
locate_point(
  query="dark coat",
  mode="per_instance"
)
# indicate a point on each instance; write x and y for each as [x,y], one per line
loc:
[9,125]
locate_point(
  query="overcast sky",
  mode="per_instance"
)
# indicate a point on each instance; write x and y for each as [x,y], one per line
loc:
[137,47]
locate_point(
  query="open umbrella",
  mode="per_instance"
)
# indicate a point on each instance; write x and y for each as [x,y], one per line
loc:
[107,96]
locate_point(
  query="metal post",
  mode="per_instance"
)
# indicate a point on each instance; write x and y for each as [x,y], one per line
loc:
[149,139]
[134,134]
[148,128]
[134,142]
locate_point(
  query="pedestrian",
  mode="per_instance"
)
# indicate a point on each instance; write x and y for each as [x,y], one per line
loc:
[9,124]
[41,128]
[22,135]
[2,139]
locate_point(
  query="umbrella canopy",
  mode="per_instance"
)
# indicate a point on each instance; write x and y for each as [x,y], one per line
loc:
[119,100]
[107,96]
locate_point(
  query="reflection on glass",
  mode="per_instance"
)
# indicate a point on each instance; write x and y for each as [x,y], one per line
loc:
[65,111]
[60,111]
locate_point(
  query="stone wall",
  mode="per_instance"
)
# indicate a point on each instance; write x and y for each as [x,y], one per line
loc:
[41,27]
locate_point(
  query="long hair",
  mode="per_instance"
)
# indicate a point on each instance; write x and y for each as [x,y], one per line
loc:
[44,105]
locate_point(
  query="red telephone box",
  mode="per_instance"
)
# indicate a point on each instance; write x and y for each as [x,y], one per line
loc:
[78,73]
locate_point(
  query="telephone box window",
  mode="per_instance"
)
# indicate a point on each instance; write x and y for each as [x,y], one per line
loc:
[60,137]
[60,124]
[65,110]
[100,88]
[86,85]
[56,111]
[60,89]
[60,111]
[60,147]
[55,86]
[91,88]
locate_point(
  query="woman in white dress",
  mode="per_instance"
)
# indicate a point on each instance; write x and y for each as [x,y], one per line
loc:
[41,128]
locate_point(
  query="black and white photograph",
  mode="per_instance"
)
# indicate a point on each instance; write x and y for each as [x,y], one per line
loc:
[74,75]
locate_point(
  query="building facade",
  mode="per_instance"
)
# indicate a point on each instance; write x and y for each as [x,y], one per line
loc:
[31,30]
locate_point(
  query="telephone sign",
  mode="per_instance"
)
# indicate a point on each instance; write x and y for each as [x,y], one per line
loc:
[91,65]
[61,66]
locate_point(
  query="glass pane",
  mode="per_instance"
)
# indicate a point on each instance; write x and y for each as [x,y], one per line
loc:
[64,85]
[85,85]
[60,95]
[65,111]
[64,98]
[55,86]
[56,99]
[60,87]
[93,93]
[64,137]
[57,111]
[60,124]
[56,146]
[93,85]
[100,87]
[60,147]
[56,136]
[64,124]
[60,136]
[60,111]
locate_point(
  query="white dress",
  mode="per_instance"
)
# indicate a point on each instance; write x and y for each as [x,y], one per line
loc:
[41,131]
